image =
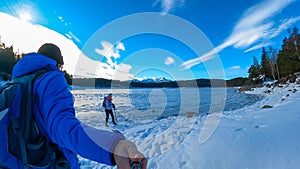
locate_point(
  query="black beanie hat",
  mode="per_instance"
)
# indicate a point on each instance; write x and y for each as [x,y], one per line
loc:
[52,51]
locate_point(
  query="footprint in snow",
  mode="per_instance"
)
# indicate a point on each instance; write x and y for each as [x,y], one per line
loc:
[239,129]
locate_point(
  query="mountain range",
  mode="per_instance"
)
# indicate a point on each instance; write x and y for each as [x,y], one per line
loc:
[151,80]
[157,83]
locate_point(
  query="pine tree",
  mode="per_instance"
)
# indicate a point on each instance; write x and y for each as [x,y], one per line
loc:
[289,57]
[295,38]
[266,64]
[7,59]
[273,55]
[254,70]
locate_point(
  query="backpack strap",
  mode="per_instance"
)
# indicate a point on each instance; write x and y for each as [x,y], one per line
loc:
[7,94]
[2,166]
[18,130]
[21,126]
[29,100]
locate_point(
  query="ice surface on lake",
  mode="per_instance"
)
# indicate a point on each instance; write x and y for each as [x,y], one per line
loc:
[151,104]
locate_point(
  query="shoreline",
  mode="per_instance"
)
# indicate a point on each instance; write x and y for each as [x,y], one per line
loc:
[250,137]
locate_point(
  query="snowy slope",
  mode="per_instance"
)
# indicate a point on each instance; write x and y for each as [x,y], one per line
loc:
[250,137]
[247,138]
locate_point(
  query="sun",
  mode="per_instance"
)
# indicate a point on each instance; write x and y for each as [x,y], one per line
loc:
[25,16]
[25,11]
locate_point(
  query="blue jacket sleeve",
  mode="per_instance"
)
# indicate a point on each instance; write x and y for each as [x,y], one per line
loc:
[57,120]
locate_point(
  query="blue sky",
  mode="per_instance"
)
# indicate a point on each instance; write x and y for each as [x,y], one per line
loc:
[232,31]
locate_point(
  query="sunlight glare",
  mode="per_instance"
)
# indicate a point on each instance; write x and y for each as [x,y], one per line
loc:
[25,16]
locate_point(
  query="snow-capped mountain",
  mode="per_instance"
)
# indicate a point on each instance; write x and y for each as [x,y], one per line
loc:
[151,80]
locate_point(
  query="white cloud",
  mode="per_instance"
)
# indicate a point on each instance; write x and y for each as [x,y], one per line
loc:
[169,60]
[284,26]
[26,37]
[71,36]
[235,67]
[259,46]
[243,38]
[107,52]
[112,70]
[120,46]
[168,5]
[122,72]
[62,20]
[110,52]
[252,30]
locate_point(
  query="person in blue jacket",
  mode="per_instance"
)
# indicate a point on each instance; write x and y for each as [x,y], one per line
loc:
[55,116]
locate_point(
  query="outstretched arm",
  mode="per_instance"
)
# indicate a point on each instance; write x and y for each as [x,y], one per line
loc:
[57,120]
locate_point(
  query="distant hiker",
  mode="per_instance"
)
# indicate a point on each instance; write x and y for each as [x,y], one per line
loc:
[54,113]
[109,106]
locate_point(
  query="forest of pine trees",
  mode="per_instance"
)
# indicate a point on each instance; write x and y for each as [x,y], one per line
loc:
[278,64]
[8,59]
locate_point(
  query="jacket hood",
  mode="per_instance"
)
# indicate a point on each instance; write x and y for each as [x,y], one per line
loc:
[32,62]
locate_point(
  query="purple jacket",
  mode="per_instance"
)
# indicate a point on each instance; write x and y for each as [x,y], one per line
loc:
[55,116]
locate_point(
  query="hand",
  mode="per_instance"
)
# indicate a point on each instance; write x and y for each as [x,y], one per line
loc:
[126,151]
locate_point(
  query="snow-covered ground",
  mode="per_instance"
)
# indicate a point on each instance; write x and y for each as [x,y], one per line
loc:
[2,82]
[249,138]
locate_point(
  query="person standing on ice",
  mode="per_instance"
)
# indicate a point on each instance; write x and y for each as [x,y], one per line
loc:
[54,114]
[109,106]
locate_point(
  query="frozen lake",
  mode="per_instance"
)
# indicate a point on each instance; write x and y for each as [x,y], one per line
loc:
[158,103]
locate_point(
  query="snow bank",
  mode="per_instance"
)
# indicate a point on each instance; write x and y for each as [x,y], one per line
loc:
[2,82]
